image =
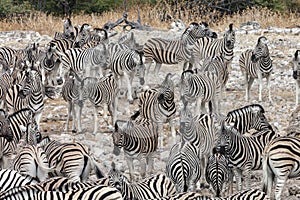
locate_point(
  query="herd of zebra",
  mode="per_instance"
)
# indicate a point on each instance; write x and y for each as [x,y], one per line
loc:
[84,65]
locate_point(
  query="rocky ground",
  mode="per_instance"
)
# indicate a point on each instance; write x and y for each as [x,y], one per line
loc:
[282,46]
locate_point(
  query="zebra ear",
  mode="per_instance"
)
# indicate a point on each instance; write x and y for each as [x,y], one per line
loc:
[230,27]
[296,54]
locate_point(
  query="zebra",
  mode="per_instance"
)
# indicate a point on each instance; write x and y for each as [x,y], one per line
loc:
[83,36]
[219,66]
[72,160]
[201,132]
[125,64]
[280,162]
[49,62]
[206,47]
[6,131]
[158,105]
[152,187]
[138,140]
[296,73]
[30,95]
[99,91]
[164,51]
[33,193]
[68,31]
[70,93]
[257,63]
[12,179]
[6,81]
[243,160]
[217,171]
[248,117]
[184,166]
[251,194]
[32,161]
[90,62]
[202,88]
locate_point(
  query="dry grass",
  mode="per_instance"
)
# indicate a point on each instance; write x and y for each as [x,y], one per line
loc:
[48,24]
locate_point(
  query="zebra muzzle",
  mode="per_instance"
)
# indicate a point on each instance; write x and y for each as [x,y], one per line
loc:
[142,81]
[116,150]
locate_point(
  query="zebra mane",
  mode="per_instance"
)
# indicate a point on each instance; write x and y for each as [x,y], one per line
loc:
[20,111]
[296,55]
[245,107]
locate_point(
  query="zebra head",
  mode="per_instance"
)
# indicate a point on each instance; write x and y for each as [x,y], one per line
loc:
[261,49]
[225,135]
[118,136]
[5,129]
[193,32]
[116,178]
[140,68]
[259,121]
[229,37]
[296,65]
[68,29]
[33,52]
[33,83]
[83,36]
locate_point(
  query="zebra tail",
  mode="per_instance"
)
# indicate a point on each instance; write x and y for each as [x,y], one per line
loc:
[97,169]
[267,173]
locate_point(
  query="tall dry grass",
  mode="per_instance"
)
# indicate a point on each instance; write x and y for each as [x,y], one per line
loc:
[48,24]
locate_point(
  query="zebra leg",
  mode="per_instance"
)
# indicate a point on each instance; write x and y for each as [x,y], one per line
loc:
[69,115]
[238,175]
[129,87]
[78,113]
[161,136]
[143,167]
[129,161]
[259,75]
[173,131]
[157,69]
[248,87]
[280,181]
[297,93]
[150,163]
[269,87]
[38,117]
[95,120]
[74,119]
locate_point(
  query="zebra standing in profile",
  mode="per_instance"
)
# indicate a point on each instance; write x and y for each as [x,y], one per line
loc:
[126,64]
[152,187]
[158,105]
[184,166]
[257,63]
[243,160]
[90,61]
[296,73]
[138,140]
[30,95]
[32,161]
[206,47]
[164,51]
[11,179]
[217,171]
[281,160]
[200,88]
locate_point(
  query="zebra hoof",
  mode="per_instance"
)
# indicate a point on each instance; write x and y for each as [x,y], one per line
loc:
[74,131]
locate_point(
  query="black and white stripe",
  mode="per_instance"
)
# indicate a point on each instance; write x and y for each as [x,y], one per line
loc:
[256,63]
[202,87]
[206,47]
[127,64]
[72,160]
[296,73]
[184,166]
[99,91]
[281,161]
[152,187]
[139,141]
[217,171]
[12,179]
[32,161]
[158,105]
[244,152]
[164,51]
